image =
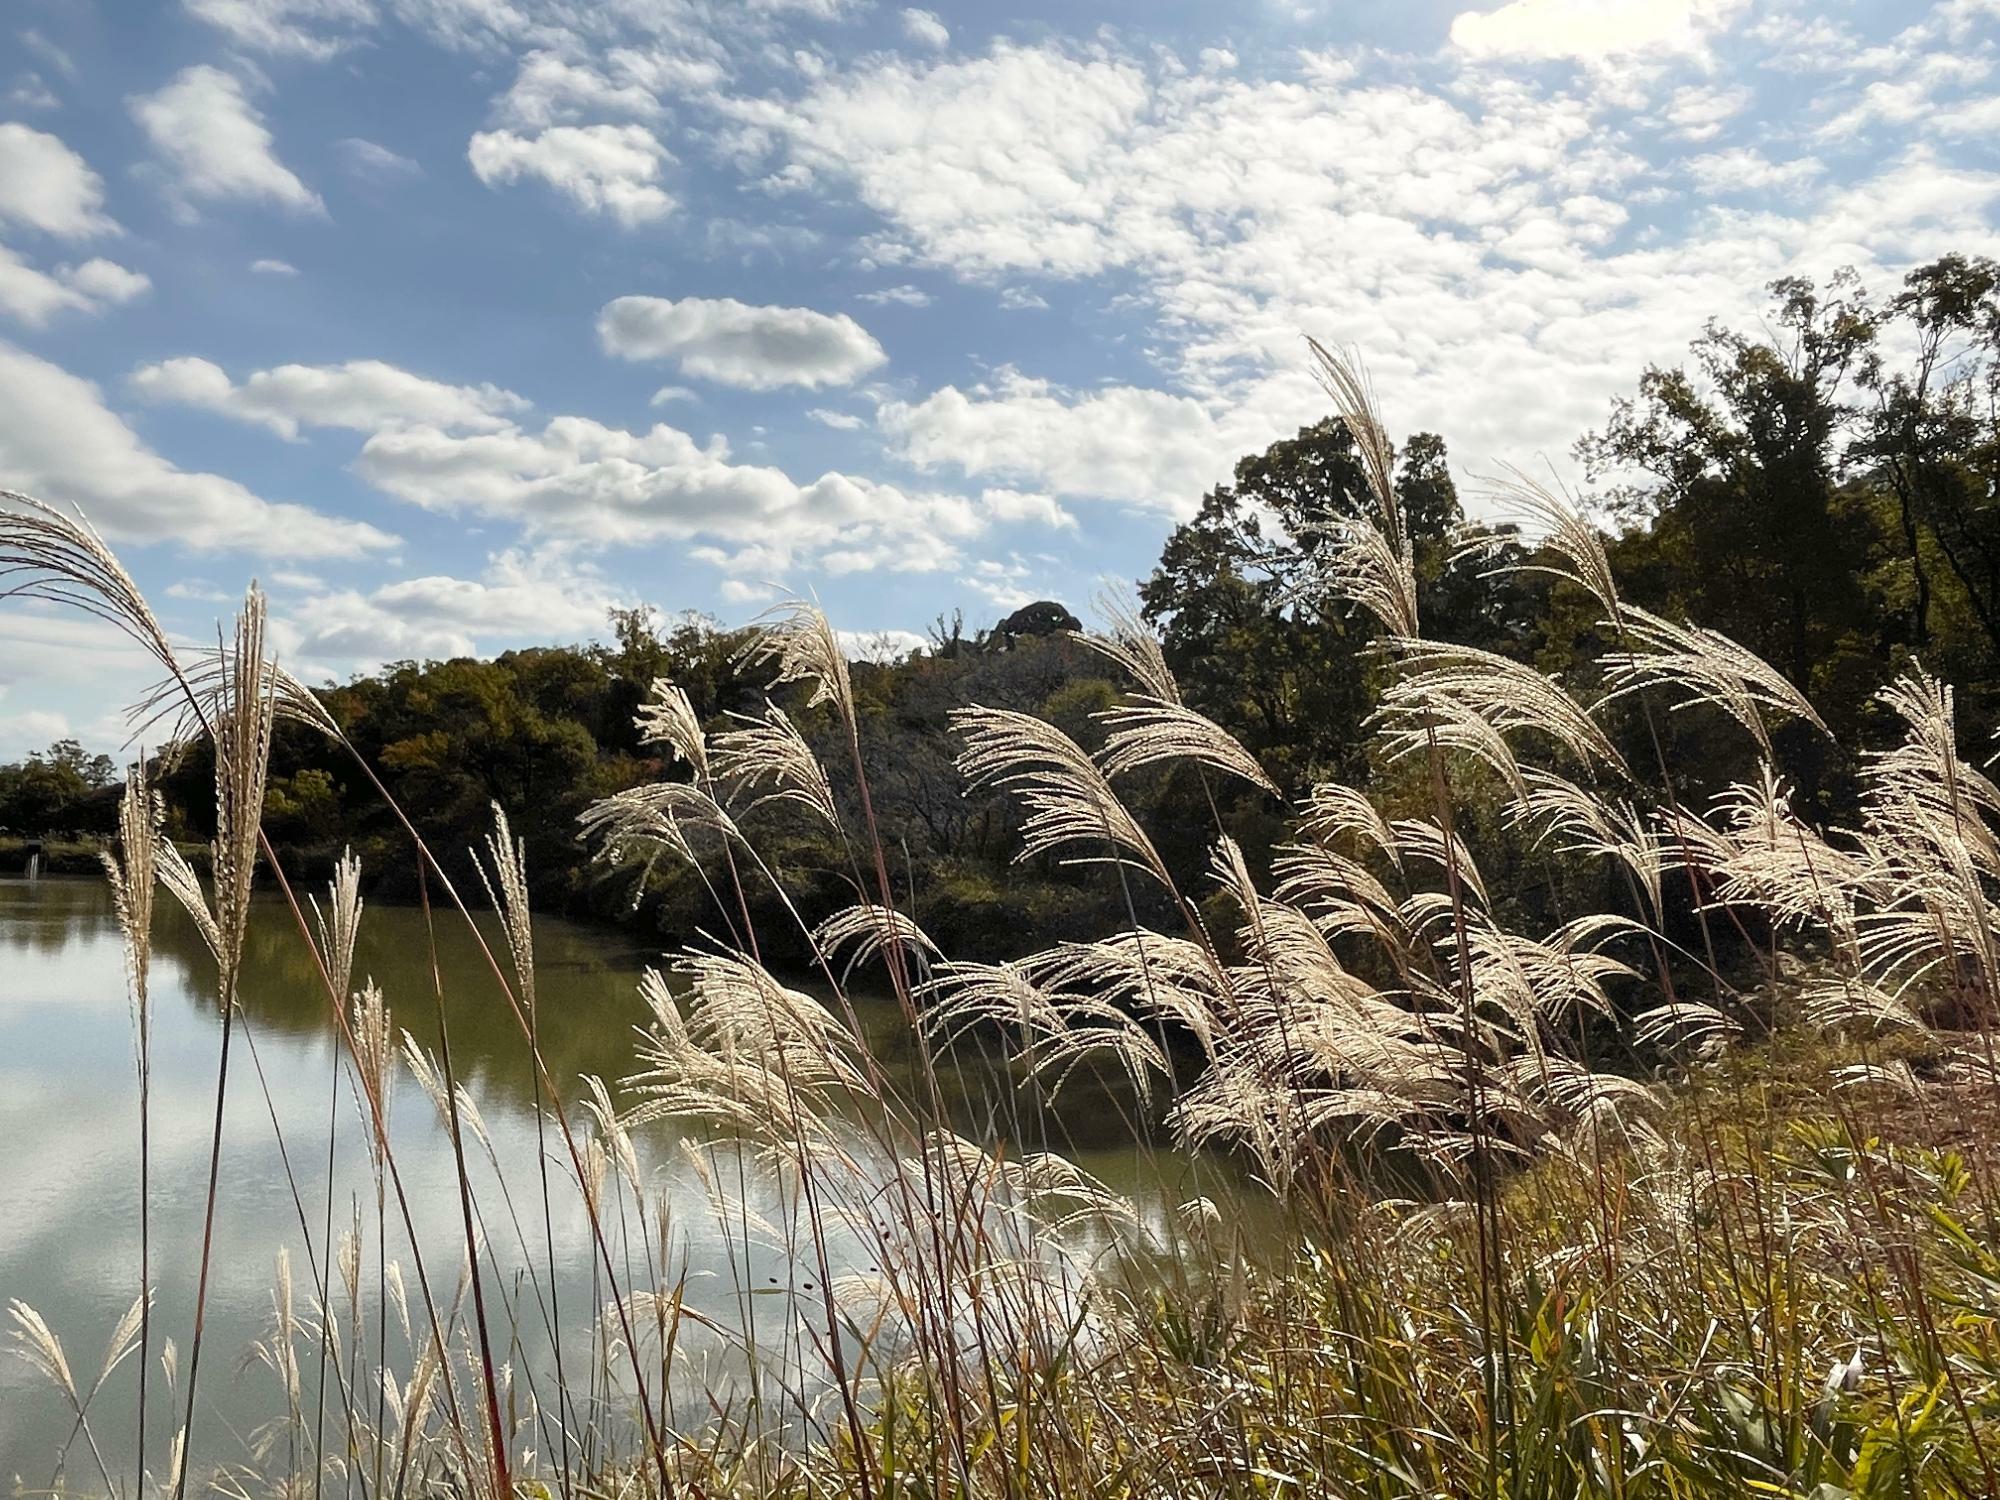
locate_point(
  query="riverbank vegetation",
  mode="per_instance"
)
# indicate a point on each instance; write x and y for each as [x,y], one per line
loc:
[1597,1007]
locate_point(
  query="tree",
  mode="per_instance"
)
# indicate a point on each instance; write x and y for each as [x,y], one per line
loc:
[52,791]
[1252,639]
[1736,476]
[1932,435]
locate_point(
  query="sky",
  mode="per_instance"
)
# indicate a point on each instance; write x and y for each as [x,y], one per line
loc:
[458,323]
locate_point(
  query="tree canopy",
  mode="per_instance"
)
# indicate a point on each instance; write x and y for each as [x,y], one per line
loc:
[1826,490]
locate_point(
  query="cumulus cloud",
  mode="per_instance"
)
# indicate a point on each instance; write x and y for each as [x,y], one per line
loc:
[881,646]
[1742,170]
[364,395]
[1020,507]
[45,185]
[1699,111]
[1475,231]
[1143,447]
[34,297]
[516,599]
[1591,29]
[613,170]
[550,88]
[203,127]
[734,343]
[924,28]
[581,481]
[60,442]
[269,267]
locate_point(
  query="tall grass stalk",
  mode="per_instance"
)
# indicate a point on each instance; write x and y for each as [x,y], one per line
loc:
[1659,1245]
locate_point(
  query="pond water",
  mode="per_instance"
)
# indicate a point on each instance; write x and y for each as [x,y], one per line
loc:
[69,1151]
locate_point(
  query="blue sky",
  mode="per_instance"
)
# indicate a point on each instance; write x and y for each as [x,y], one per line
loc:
[457,322]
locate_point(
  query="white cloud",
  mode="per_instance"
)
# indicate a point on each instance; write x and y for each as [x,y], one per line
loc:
[517,599]
[270,267]
[603,169]
[106,282]
[900,296]
[1000,583]
[881,646]
[33,296]
[842,421]
[1913,96]
[1494,234]
[1019,507]
[371,162]
[315,29]
[666,395]
[733,343]
[1146,448]
[196,591]
[1699,111]
[580,481]
[31,91]
[551,89]
[45,185]
[1742,170]
[59,442]
[49,52]
[203,126]
[923,26]
[364,395]
[1591,30]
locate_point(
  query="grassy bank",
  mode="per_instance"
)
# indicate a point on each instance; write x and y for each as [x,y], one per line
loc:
[58,856]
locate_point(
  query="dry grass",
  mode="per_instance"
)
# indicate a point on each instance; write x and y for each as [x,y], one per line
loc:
[1501,1253]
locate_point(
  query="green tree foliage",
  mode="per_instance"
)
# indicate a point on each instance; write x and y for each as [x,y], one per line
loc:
[1826,491]
[63,789]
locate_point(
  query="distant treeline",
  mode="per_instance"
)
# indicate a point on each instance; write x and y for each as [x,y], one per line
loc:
[1826,492]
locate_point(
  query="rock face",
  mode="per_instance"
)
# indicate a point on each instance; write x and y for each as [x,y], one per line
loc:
[1043,617]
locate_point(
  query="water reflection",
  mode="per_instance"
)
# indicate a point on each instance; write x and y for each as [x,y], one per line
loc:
[69,1173]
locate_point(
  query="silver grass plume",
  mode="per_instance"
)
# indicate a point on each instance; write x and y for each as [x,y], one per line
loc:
[1058,1031]
[1595,827]
[611,1129]
[1368,561]
[504,872]
[659,818]
[796,637]
[766,759]
[867,930]
[1345,380]
[1472,700]
[340,923]
[1159,726]
[1068,798]
[184,885]
[1705,666]
[374,1049]
[242,738]
[1146,733]
[1128,642]
[668,718]
[58,557]
[1570,547]
[430,1078]
[133,878]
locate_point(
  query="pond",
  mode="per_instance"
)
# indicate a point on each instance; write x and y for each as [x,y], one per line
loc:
[69,1144]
